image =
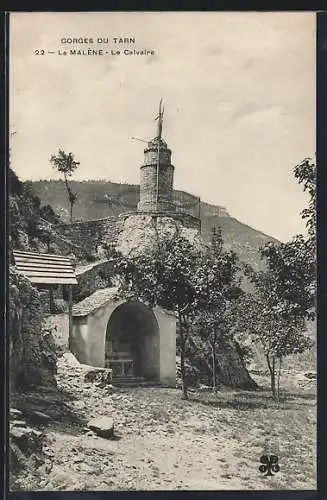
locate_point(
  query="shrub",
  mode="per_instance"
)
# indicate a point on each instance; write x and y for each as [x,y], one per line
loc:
[60,306]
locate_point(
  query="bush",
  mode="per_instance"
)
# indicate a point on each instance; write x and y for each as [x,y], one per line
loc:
[60,306]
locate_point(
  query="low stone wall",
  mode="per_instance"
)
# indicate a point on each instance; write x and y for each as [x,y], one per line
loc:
[186,220]
[92,278]
[189,221]
[91,235]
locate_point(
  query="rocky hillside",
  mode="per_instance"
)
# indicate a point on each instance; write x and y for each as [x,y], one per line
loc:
[31,222]
[99,199]
[34,226]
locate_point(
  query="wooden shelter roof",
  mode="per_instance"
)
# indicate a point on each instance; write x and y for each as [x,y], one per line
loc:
[45,268]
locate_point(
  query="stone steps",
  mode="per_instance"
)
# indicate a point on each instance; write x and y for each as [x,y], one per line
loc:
[131,381]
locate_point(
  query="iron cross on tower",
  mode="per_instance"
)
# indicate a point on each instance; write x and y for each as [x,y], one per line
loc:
[160,119]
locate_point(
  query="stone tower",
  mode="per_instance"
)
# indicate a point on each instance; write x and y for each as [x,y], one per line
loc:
[157,217]
[157,175]
[156,179]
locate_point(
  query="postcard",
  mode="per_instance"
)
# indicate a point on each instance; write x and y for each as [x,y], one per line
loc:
[162,264]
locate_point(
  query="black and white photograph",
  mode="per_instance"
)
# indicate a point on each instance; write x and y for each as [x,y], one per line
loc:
[162,251]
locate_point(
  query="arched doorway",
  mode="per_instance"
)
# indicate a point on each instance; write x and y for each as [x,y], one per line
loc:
[132,347]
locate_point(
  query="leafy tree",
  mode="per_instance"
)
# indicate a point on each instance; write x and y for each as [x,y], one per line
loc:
[293,264]
[306,174]
[261,317]
[164,276]
[217,286]
[66,164]
[285,291]
[283,300]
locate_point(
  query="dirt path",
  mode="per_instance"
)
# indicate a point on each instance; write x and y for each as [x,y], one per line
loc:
[165,443]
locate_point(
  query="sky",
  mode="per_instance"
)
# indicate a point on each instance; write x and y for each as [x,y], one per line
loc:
[238,90]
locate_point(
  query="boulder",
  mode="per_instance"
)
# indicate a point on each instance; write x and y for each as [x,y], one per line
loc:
[102,426]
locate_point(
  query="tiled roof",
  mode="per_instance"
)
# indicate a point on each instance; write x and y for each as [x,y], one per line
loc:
[45,268]
[94,301]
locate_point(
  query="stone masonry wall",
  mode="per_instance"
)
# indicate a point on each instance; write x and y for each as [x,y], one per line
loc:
[91,235]
[95,278]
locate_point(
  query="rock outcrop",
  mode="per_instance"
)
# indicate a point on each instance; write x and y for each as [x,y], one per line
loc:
[101,377]
[231,370]
[139,232]
[27,450]
[32,351]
